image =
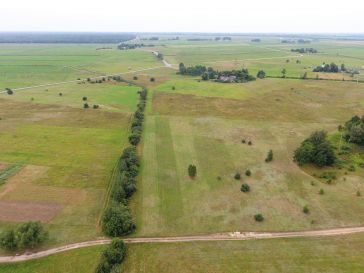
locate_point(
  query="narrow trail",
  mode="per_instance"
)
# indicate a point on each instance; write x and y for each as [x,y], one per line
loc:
[81,80]
[233,236]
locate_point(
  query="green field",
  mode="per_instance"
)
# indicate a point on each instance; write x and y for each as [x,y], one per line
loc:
[73,261]
[336,254]
[196,124]
[65,154]
[25,65]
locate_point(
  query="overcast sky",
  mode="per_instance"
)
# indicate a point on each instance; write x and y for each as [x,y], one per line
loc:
[332,16]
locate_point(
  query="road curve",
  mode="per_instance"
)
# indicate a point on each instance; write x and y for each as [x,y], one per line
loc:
[233,236]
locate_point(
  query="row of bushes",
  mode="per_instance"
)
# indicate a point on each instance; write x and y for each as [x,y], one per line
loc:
[112,257]
[117,219]
[27,235]
[136,126]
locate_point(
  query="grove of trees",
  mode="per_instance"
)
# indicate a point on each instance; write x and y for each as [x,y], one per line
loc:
[24,236]
[354,130]
[316,150]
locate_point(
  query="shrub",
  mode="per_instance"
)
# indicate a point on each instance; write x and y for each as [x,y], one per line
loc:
[248,172]
[134,138]
[306,210]
[27,235]
[250,143]
[135,78]
[84,98]
[9,91]
[112,257]
[245,187]
[269,156]
[237,176]
[261,74]
[85,105]
[321,191]
[351,168]
[60,94]
[192,171]
[95,106]
[117,221]
[358,193]
[316,149]
[173,88]
[243,141]
[259,217]
[152,79]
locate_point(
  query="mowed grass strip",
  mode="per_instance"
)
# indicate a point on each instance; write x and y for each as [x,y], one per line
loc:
[299,255]
[169,191]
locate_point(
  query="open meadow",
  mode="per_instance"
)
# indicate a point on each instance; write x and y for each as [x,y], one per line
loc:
[57,156]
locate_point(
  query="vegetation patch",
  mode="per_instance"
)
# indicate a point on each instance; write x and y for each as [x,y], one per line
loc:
[8,171]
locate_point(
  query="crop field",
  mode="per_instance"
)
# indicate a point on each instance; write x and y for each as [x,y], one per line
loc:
[67,154]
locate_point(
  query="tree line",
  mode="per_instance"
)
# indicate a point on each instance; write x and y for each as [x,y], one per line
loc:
[124,46]
[208,73]
[117,219]
[330,68]
[304,50]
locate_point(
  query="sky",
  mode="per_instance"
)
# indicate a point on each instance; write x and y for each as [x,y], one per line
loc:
[266,16]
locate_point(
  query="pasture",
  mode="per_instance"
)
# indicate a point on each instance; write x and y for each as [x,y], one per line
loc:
[56,157]
[196,124]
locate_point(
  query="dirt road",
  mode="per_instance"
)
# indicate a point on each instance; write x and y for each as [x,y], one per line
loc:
[233,236]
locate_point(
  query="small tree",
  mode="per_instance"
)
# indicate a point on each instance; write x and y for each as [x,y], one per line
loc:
[237,176]
[322,192]
[192,171]
[358,193]
[85,105]
[60,94]
[95,106]
[259,217]
[135,78]
[261,74]
[248,172]
[9,91]
[152,79]
[269,156]
[306,210]
[284,71]
[245,187]
[84,98]
[250,143]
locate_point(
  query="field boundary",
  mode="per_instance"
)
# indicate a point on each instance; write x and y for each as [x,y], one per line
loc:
[233,236]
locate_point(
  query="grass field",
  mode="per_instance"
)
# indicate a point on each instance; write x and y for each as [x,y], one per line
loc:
[196,124]
[336,254]
[74,261]
[67,154]
[269,55]
[25,65]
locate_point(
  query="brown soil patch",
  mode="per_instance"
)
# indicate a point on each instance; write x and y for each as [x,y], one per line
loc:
[334,76]
[2,166]
[19,211]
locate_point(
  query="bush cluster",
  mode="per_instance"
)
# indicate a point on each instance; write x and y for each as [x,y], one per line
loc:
[112,257]
[117,218]
[316,149]
[27,235]
[136,126]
